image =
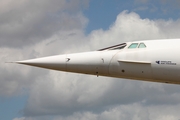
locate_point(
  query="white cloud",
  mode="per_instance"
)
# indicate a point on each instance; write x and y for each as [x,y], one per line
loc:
[65,93]
[26,22]
[129,112]
[77,96]
[128,27]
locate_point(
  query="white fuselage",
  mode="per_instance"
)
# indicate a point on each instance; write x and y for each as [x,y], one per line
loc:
[153,60]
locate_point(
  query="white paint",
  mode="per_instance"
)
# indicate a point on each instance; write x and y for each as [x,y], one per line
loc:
[159,62]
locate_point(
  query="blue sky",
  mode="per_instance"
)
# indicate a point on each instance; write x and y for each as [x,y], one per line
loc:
[102,14]
[11,107]
[26,33]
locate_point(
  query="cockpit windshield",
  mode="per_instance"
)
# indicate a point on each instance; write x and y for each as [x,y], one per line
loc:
[137,45]
[133,45]
[123,45]
[142,45]
[115,47]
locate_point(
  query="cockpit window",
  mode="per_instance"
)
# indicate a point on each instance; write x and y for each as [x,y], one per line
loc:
[123,45]
[142,45]
[133,45]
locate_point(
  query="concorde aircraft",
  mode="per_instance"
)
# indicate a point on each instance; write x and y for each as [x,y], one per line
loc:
[149,60]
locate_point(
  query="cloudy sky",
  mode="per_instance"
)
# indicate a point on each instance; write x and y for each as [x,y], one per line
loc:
[37,28]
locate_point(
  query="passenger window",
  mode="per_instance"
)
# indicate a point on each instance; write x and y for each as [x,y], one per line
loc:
[133,45]
[142,45]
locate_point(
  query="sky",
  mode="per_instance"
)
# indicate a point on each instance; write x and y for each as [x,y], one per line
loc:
[32,29]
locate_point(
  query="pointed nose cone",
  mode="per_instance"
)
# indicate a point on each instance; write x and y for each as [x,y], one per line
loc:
[53,62]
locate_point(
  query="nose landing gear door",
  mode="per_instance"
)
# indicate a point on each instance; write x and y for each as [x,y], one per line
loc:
[135,69]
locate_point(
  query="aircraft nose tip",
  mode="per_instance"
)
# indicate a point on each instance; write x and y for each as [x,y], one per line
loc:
[52,62]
